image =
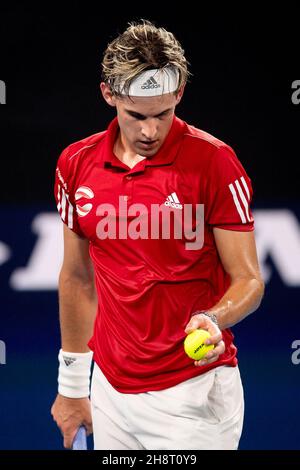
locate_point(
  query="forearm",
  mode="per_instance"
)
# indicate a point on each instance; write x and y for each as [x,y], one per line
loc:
[242,298]
[77,311]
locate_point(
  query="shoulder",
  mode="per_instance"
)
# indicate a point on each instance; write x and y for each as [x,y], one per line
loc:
[206,148]
[199,137]
[76,158]
[81,148]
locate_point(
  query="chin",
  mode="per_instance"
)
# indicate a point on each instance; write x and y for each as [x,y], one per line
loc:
[144,152]
[148,153]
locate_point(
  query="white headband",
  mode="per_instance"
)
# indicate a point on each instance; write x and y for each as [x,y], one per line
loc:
[153,82]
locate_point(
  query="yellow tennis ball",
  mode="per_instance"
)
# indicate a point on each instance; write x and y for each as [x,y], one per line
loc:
[194,344]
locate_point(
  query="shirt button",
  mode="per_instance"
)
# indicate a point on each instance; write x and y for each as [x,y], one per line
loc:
[126,198]
[129,178]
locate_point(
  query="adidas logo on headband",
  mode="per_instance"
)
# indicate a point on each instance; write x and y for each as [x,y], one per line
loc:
[166,81]
[150,83]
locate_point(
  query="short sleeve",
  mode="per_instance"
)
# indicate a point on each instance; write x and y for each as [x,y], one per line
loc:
[63,194]
[229,193]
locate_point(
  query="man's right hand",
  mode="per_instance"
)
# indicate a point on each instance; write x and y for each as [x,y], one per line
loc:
[69,414]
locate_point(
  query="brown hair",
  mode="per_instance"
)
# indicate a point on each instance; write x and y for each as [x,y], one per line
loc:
[142,46]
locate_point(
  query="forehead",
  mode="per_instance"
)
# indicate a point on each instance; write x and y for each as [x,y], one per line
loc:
[147,104]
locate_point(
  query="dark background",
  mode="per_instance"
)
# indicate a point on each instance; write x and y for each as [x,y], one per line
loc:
[243,64]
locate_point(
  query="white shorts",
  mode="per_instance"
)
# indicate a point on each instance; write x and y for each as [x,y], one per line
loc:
[205,412]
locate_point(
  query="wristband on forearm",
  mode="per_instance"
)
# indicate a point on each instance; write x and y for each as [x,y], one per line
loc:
[74,374]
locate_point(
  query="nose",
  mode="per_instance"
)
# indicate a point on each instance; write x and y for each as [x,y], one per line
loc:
[150,129]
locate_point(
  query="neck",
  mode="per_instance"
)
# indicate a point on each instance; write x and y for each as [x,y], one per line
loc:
[125,154]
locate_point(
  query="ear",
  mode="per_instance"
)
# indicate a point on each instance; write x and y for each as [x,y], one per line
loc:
[107,94]
[179,94]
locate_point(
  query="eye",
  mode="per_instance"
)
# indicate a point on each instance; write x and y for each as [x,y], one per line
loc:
[138,117]
[165,113]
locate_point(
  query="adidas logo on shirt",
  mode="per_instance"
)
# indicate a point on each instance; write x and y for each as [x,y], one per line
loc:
[150,83]
[173,201]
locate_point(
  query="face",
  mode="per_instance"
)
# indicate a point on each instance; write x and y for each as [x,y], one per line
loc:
[144,121]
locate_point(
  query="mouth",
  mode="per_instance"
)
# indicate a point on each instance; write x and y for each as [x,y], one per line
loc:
[147,144]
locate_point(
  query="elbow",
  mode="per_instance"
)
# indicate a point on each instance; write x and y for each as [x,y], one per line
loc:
[261,287]
[259,291]
[73,286]
[83,280]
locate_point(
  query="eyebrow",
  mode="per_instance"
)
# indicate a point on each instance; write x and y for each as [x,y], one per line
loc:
[142,116]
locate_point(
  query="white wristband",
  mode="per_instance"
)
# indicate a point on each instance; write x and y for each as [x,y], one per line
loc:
[74,374]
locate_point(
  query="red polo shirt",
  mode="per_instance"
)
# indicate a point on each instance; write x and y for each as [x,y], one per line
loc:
[149,284]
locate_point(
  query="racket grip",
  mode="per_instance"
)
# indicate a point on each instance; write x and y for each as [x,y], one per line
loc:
[80,442]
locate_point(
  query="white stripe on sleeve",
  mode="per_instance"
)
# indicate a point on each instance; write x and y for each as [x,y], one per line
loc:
[70,215]
[242,196]
[58,198]
[237,204]
[63,205]
[246,187]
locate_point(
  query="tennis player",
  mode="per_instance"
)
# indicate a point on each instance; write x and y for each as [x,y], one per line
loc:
[158,241]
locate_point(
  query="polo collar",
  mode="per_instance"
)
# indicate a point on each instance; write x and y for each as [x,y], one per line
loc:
[165,156]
